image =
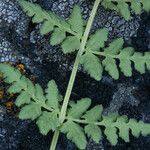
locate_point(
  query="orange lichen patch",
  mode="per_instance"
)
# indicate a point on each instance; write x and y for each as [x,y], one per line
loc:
[1,93]
[9,105]
[21,67]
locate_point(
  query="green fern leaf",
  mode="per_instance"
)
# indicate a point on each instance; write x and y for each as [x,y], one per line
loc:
[77,109]
[15,88]
[110,129]
[25,89]
[136,6]
[52,23]
[57,36]
[112,123]
[92,65]
[74,133]
[97,40]
[134,128]
[144,128]
[52,95]
[31,111]
[71,44]
[146,5]
[123,7]
[30,87]
[147,60]
[76,20]
[114,47]
[23,98]
[48,121]
[39,93]
[46,27]
[124,10]
[123,133]
[109,5]
[94,132]
[109,56]
[139,62]
[110,66]
[125,62]
[94,114]
[111,134]
[9,73]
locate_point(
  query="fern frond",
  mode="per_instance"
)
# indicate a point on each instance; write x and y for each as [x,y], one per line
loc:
[57,26]
[95,66]
[124,6]
[93,122]
[31,99]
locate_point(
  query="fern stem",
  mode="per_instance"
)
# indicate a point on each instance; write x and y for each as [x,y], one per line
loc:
[105,54]
[54,140]
[116,56]
[82,121]
[77,61]
[75,68]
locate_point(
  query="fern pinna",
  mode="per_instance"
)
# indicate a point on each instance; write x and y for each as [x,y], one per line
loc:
[48,109]
[44,108]
[58,26]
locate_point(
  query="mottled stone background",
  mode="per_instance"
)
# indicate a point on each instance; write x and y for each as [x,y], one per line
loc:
[21,43]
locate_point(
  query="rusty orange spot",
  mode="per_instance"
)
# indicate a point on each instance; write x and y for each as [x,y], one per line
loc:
[21,67]
[1,93]
[9,105]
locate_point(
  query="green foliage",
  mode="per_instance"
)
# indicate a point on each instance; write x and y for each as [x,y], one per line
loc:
[124,6]
[76,21]
[97,40]
[43,107]
[93,132]
[30,111]
[52,95]
[92,65]
[48,121]
[96,43]
[34,104]
[94,120]
[70,44]
[77,109]
[75,133]
[97,111]
[95,61]
[57,26]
